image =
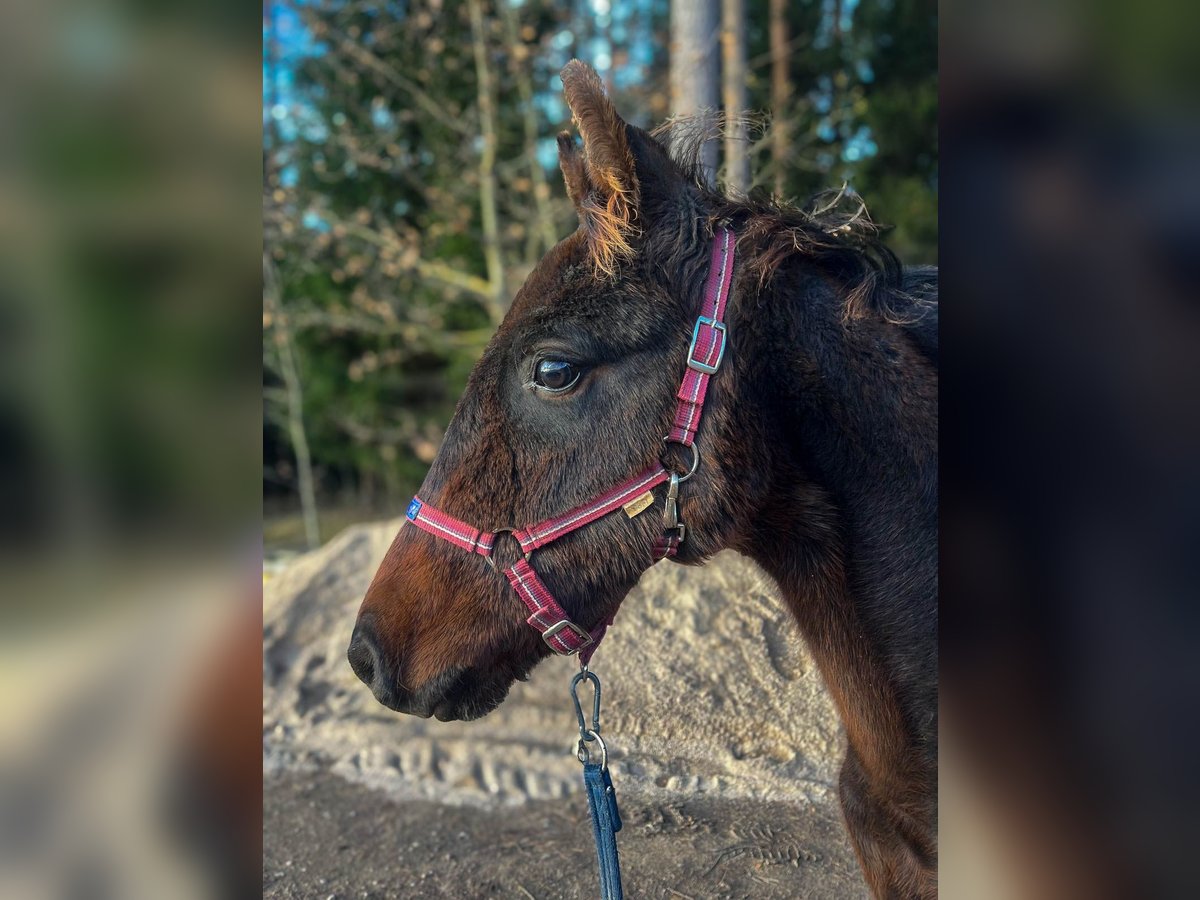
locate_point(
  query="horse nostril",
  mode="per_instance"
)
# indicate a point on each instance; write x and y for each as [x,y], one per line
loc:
[369,664]
[363,653]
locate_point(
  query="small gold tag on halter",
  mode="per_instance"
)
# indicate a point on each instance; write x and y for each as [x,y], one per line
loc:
[640,504]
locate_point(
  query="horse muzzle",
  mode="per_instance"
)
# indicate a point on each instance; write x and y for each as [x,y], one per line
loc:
[459,692]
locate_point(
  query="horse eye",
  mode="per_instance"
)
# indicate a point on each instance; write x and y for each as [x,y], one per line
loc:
[555,375]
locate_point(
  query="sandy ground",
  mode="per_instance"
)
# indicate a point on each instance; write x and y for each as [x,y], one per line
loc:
[325,837]
[725,754]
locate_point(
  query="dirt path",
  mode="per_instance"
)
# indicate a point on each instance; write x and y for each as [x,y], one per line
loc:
[324,837]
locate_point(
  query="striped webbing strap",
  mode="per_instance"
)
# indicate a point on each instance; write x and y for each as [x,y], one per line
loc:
[708,342]
[545,613]
[561,634]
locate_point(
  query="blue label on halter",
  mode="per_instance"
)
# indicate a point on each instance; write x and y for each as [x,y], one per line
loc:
[413,509]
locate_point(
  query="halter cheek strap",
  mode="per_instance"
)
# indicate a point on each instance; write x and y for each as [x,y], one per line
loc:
[705,354]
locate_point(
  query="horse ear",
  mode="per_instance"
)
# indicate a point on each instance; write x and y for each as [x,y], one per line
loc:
[606,148]
[570,160]
[603,185]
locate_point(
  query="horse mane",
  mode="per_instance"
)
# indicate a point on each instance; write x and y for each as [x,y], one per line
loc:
[921,286]
[833,230]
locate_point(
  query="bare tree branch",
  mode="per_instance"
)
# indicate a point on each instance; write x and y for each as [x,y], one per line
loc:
[537,175]
[426,102]
[289,371]
[487,167]
[433,270]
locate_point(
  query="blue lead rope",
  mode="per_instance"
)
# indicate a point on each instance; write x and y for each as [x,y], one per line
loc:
[602,799]
[606,822]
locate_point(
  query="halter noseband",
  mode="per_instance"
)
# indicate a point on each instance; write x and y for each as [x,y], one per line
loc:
[705,353]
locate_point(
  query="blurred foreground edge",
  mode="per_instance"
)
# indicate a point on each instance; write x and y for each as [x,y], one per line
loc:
[1071,234]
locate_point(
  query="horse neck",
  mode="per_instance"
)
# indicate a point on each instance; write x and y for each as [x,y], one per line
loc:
[854,405]
[849,528]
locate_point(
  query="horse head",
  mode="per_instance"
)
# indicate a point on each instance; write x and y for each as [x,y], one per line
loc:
[573,395]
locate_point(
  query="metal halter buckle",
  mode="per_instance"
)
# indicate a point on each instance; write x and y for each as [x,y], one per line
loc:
[694,363]
[566,625]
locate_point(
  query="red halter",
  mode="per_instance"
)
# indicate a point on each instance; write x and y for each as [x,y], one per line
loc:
[546,615]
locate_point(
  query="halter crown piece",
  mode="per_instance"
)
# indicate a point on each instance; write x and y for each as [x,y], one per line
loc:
[705,353]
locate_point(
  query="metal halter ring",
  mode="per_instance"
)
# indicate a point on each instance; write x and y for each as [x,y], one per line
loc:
[695,457]
[585,756]
[490,559]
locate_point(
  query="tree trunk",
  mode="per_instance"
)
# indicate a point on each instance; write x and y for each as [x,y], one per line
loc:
[546,231]
[487,167]
[733,76]
[695,66]
[781,92]
[288,370]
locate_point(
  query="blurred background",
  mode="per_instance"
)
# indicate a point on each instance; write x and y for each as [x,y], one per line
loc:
[136,163]
[411,183]
[130,173]
[1070,503]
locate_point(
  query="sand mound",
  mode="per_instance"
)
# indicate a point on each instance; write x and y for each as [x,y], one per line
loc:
[734,711]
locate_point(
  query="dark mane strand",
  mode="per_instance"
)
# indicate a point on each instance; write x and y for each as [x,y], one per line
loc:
[834,230]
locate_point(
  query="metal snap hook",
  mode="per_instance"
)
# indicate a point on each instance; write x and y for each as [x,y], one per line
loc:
[584,731]
[671,508]
[671,504]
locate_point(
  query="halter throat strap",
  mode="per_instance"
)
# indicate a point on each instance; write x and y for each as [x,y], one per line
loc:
[705,355]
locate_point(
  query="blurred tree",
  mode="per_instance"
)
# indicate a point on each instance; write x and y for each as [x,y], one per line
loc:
[484,89]
[277,325]
[781,91]
[411,180]
[899,176]
[368,161]
[545,232]
[395,213]
[733,80]
[852,91]
[696,66]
